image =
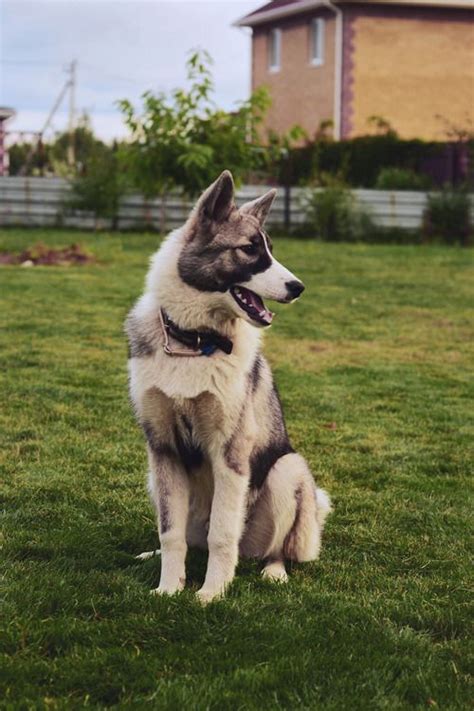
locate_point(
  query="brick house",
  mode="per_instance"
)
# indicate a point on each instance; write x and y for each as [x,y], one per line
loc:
[409,62]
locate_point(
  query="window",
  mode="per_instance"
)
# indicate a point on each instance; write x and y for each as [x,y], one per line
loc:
[274,50]
[316,42]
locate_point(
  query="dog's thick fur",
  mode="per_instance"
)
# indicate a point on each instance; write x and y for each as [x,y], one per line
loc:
[222,472]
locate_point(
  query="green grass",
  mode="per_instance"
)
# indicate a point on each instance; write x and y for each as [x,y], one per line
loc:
[375,372]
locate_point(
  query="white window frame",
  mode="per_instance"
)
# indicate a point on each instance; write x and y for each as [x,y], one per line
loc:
[274,50]
[316,42]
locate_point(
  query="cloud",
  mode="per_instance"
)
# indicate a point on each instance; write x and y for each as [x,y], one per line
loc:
[123,48]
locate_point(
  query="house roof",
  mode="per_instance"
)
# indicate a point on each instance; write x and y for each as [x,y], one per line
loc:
[286,8]
[6,113]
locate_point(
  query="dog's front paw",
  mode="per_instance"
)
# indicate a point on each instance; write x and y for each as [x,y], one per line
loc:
[169,589]
[205,596]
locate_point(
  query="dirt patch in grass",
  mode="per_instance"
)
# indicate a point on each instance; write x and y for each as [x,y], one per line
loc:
[41,254]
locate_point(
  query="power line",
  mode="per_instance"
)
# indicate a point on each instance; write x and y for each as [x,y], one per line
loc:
[94,68]
[115,77]
[28,62]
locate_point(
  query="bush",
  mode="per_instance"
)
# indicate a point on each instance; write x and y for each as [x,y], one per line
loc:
[447,216]
[334,215]
[401,179]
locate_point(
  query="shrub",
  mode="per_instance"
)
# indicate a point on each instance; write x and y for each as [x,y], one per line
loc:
[334,215]
[401,179]
[447,216]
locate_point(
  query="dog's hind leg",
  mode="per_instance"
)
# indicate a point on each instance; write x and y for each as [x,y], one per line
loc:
[287,520]
[275,570]
[311,506]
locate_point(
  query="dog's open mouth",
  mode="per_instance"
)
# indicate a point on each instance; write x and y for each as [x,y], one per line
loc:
[252,304]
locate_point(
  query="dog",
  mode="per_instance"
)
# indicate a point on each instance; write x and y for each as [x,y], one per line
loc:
[223,475]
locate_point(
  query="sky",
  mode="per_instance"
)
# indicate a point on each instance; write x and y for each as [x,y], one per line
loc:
[122,48]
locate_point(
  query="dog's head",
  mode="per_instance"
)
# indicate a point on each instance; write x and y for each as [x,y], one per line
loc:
[227,252]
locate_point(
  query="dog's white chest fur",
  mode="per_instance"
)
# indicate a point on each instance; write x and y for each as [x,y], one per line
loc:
[219,374]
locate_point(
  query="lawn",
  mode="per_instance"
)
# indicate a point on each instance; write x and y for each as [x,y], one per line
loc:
[375,372]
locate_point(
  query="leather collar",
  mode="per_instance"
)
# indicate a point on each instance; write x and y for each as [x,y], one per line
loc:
[201,342]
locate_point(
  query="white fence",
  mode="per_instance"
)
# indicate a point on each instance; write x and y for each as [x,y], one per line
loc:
[42,202]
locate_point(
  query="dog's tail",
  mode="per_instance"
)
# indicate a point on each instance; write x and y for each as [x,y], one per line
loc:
[323,506]
[146,555]
[303,541]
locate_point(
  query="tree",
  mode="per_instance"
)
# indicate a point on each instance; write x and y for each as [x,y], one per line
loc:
[100,185]
[50,157]
[183,141]
[87,147]
[33,157]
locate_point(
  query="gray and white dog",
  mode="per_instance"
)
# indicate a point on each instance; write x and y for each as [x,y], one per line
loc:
[222,472]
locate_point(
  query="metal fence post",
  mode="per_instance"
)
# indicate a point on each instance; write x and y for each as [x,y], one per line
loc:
[287,208]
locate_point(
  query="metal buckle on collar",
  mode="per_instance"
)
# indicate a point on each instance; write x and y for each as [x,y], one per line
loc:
[170,351]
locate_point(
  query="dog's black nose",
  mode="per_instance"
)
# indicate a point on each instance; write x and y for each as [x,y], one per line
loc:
[295,288]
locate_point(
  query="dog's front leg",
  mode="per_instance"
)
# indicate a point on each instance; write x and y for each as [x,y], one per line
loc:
[225,529]
[169,488]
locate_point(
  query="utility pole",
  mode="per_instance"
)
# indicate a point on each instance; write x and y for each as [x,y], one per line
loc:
[70,86]
[46,125]
[71,157]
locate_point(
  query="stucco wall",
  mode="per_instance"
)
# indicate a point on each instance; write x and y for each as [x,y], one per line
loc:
[301,93]
[409,65]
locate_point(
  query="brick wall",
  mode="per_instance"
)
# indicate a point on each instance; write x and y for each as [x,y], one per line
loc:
[301,93]
[408,66]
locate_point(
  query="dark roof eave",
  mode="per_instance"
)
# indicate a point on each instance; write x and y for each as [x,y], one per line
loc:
[288,10]
[294,8]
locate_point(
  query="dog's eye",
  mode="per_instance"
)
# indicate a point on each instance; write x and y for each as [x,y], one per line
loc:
[249,248]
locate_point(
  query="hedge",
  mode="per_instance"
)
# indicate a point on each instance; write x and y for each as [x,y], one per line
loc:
[359,161]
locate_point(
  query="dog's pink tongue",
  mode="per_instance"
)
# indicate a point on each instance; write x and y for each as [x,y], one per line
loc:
[259,306]
[268,316]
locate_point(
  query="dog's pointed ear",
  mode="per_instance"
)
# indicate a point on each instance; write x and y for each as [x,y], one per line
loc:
[260,207]
[218,200]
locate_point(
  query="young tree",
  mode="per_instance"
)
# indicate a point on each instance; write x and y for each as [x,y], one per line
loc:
[183,141]
[100,185]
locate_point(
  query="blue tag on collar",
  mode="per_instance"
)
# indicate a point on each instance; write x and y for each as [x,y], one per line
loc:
[209,349]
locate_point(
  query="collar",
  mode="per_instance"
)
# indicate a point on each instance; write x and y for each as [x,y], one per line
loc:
[201,342]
